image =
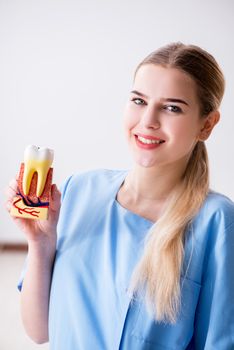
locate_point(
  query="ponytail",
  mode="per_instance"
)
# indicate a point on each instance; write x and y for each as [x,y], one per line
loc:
[159,270]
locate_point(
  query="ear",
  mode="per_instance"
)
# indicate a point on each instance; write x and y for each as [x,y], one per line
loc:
[208,124]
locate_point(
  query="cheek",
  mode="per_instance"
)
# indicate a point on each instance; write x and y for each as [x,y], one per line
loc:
[185,137]
[184,129]
[130,119]
[182,136]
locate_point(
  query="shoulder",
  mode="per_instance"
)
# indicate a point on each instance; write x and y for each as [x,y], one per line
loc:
[210,235]
[220,208]
[217,200]
[85,198]
[97,175]
[216,217]
[95,178]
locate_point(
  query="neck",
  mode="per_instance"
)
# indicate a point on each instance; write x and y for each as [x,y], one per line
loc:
[152,184]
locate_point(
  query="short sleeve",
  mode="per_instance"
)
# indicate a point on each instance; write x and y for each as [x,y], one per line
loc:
[63,187]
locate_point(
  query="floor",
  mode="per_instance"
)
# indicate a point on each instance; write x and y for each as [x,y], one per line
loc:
[12,335]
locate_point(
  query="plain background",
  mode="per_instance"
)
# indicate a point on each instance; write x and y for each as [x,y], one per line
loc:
[66,69]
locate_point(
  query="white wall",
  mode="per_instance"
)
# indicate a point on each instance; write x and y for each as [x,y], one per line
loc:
[66,69]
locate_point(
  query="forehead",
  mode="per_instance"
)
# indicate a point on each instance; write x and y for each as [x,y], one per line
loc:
[157,81]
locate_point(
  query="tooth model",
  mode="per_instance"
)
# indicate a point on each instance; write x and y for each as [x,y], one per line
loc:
[34,184]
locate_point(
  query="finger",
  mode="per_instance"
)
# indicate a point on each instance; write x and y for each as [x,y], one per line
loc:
[14,184]
[8,205]
[10,193]
[55,198]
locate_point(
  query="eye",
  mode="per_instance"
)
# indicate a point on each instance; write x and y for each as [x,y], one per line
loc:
[138,101]
[173,109]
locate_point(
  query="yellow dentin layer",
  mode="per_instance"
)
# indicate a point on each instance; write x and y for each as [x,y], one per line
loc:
[32,166]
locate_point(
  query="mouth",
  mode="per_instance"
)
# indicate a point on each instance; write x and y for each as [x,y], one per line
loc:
[148,140]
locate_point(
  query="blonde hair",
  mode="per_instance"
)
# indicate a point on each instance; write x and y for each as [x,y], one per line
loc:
[158,272]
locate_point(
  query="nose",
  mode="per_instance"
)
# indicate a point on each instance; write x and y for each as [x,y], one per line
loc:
[150,118]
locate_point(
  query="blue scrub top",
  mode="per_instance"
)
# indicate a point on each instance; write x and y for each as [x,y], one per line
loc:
[99,244]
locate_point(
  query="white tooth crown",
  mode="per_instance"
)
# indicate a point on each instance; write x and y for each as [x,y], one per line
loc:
[36,159]
[142,139]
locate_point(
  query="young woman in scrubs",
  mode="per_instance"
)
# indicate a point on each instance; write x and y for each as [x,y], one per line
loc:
[141,258]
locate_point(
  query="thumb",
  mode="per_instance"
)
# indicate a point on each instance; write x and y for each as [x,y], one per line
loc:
[55,201]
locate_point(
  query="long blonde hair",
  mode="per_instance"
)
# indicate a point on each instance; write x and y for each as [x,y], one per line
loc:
[159,270]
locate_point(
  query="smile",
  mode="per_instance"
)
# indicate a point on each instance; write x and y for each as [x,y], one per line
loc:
[148,143]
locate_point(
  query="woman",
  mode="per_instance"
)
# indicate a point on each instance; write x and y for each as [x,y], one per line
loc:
[141,259]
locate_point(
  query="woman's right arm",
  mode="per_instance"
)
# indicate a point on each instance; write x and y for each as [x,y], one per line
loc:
[41,237]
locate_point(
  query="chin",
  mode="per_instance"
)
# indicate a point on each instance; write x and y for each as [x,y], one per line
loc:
[145,163]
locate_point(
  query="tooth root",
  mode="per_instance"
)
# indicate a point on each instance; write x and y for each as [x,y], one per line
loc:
[41,178]
[27,178]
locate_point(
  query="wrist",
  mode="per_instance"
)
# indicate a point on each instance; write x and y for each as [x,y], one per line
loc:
[42,249]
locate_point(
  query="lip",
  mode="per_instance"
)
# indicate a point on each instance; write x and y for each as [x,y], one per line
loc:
[148,137]
[147,146]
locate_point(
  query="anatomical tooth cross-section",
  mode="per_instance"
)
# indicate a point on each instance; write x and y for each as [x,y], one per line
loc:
[34,184]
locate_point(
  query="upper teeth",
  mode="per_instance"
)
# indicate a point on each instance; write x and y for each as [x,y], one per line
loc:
[142,139]
[36,160]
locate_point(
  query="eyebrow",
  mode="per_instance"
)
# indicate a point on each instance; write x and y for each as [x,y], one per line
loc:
[170,99]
